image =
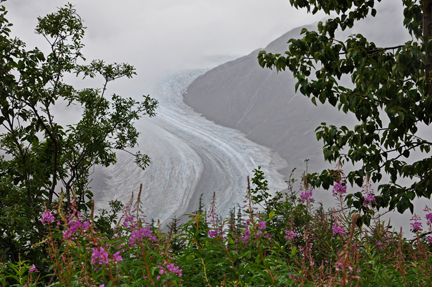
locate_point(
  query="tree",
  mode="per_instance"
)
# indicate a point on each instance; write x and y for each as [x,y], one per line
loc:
[387,81]
[40,154]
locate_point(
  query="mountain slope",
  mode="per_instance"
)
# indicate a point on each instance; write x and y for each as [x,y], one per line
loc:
[264,106]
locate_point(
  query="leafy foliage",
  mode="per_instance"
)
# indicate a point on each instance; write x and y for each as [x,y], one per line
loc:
[39,154]
[388,82]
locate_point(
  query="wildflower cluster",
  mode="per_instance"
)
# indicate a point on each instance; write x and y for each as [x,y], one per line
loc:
[140,234]
[315,248]
[337,229]
[290,235]
[74,226]
[306,196]
[416,226]
[99,256]
[169,268]
[47,217]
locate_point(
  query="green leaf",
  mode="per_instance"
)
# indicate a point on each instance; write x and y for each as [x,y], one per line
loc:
[271,214]
[314,101]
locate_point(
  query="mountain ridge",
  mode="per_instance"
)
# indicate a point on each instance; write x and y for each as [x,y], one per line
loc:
[263,105]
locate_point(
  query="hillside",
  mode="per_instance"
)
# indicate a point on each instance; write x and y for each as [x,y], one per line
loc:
[264,106]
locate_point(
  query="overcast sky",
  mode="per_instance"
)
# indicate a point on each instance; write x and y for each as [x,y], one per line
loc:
[159,35]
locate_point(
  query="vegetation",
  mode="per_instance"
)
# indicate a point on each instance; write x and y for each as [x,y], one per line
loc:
[38,154]
[55,239]
[289,242]
[386,83]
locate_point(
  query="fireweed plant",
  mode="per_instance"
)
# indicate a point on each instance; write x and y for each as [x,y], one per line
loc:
[285,239]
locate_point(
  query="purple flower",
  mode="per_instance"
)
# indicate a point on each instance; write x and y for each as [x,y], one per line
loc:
[74,227]
[246,236]
[339,189]
[117,257]
[47,217]
[212,233]
[306,196]
[161,270]
[338,230]
[416,225]
[379,243]
[86,225]
[289,235]
[170,268]
[141,234]
[129,222]
[100,257]
[174,269]
[158,278]
[429,218]
[32,269]
[262,225]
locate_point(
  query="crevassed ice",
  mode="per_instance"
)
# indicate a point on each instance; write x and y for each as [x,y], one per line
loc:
[190,156]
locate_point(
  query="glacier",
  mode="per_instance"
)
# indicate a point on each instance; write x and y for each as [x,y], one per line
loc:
[190,156]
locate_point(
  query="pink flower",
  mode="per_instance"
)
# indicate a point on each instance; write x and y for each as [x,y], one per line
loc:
[246,236]
[161,270]
[262,225]
[289,235]
[100,257]
[212,233]
[416,225]
[32,269]
[379,243]
[74,227]
[170,268]
[338,188]
[129,222]
[117,257]
[47,217]
[140,234]
[338,230]
[86,225]
[429,218]
[306,196]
